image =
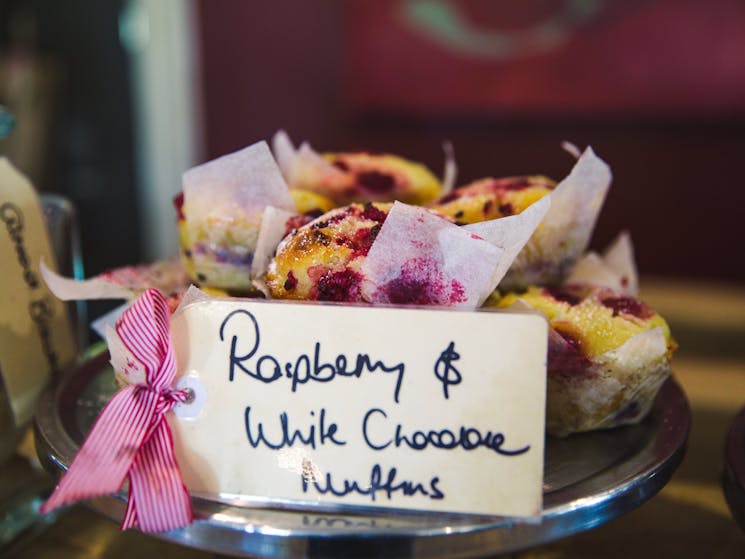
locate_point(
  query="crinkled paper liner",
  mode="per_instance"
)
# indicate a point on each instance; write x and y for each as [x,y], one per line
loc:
[615,268]
[617,389]
[563,235]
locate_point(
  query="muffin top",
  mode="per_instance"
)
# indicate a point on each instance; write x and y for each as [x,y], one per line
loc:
[321,260]
[370,177]
[491,198]
[592,319]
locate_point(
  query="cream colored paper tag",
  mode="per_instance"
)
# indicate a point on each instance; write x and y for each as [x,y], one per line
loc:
[36,340]
[340,405]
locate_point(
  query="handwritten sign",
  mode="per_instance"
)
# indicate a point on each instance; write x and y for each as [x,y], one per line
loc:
[341,405]
[36,339]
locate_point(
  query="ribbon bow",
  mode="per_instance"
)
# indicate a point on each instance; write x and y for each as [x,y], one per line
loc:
[131,437]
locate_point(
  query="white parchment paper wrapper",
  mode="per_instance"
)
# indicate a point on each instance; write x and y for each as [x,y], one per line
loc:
[243,182]
[128,282]
[614,268]
[127,368]
[284,151]
[224,201]
[419,257]
[565,231]
[620,390]
[510,234]
[68,289]
[450,171]
[303,167]
[273,229]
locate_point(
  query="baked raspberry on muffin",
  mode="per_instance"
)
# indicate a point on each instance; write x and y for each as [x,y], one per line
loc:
[365,177]
[608,355]
[321,260]
[220,213]
[492,198]
[355,177]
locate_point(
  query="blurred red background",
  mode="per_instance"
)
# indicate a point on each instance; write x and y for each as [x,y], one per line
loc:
[657,87]
[548,58]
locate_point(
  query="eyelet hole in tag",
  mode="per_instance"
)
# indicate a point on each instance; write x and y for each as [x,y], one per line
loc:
[196,397]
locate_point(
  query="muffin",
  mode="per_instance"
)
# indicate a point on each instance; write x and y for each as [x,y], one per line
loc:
[321,260]
[608,355]
[563,233]
[491,198]
[355,177]
[220,212]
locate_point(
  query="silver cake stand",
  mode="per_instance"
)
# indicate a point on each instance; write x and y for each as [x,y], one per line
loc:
[589,479]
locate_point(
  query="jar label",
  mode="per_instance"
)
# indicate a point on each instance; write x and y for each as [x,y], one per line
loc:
[36,338]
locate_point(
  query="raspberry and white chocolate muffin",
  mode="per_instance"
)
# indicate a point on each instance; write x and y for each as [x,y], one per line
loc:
[355,177]
[220,212]
[563,233]
[321,260]
[365,177]
[491,198]
[220,254]
[608,355]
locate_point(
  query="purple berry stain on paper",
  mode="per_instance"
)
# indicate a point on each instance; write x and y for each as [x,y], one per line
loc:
[421,282]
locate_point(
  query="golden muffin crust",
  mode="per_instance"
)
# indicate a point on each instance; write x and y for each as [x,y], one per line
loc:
[593,319]
[491,198]
[360,177]
[321,260]
[608,355]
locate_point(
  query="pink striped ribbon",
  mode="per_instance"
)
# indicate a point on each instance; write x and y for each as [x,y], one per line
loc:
[131,437]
